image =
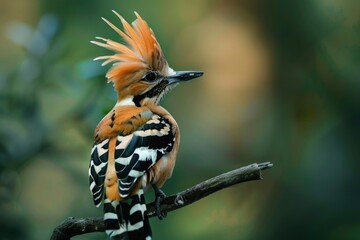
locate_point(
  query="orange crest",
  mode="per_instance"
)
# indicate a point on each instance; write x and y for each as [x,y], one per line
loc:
[130,61]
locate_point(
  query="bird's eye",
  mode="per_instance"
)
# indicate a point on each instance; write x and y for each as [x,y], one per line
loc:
[150,76]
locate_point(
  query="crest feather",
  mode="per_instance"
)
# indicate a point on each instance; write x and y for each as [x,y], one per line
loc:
[142,51]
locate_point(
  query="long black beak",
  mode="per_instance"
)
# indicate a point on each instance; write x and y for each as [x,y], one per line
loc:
[181,76]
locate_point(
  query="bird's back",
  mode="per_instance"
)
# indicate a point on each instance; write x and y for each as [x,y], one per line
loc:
[131,150]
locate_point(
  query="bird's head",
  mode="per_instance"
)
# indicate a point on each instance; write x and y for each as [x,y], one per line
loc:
[140,72]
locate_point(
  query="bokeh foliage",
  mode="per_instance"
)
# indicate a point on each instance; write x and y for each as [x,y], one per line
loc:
[281,84]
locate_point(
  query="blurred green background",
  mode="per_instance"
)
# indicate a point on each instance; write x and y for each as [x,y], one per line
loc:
[281,84]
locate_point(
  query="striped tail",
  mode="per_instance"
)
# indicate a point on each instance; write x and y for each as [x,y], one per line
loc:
[124,221]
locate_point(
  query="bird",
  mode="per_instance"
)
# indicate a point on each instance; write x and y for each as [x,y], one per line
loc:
[136,143]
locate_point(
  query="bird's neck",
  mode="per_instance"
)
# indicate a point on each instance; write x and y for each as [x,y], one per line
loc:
[128,104]
[127,101]
[131,101]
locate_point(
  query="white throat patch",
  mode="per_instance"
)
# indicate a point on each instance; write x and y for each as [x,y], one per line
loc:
[126,102]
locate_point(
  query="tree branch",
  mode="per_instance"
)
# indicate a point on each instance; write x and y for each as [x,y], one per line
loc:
[77,226]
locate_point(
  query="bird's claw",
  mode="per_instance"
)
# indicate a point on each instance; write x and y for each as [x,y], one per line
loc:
[159,195]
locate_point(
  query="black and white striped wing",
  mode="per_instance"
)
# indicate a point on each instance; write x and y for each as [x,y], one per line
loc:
[97,170]
[145,147]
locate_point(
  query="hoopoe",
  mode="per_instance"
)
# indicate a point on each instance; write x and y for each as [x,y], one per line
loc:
[136,143]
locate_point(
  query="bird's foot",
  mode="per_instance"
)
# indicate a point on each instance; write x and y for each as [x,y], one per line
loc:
[159,195]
